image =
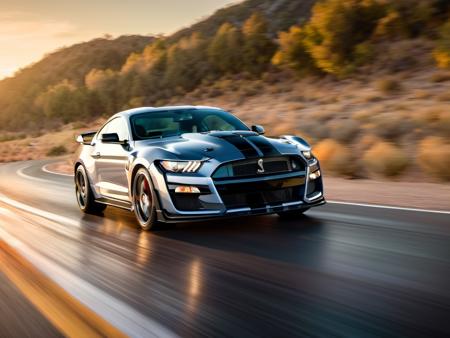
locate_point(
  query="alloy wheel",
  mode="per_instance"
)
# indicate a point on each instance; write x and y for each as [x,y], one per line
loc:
[143,198]
[81,187]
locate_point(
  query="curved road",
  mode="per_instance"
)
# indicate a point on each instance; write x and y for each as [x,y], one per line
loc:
[341,270]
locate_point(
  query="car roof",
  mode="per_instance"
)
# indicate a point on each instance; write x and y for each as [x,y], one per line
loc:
[130,112]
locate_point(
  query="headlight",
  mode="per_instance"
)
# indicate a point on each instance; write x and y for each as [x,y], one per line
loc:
[181,166]
[307,154]
[315,175]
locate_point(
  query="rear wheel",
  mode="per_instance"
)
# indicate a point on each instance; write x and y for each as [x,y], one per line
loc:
[85,196]
[144,200]
[292,213]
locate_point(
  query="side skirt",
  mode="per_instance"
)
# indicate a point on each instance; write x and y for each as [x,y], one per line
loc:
[115,203]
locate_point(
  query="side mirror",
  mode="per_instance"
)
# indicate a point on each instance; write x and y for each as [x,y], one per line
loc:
[111,138]
[258,129]
[86,138]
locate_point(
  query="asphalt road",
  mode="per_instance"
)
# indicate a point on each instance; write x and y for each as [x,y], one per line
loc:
[14,307]
[341,270]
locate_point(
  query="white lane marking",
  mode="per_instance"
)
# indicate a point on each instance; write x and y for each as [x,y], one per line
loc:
[118,313]
[20,172]
[45,169]
[5,211]
[39,212]
[390,207]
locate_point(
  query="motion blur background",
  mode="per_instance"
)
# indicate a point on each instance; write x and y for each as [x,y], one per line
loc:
[367,82]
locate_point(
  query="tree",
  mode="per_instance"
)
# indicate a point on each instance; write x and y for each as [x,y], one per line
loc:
[258,48]
[292,52]
[335,30]
[187,64]
[409,19]
[153,56]
[225,49]
[104,83]
[442,51]
[64,101]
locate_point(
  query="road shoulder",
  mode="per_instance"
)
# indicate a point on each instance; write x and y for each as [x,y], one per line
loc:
[65,313]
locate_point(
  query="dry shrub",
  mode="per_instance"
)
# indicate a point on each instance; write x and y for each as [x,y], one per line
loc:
[272,77]
[372,98]
[296,106]
[57,150]
[434,157]
[421,94]
[436,119]
[297,98]
[392,126]
[429,116]
[328,99]
[248,91]
[402,55]
[388,85]
[335,158]
[367,141]
[322,115]
[385,159]
[317,130]
[344,131]
[215,91]
[362,115]
[440,77]
[444,123]
[443,127]
[443,97]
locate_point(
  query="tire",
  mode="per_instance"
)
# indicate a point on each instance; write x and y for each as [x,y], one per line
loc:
[84,194]
[144,199]
[292,213]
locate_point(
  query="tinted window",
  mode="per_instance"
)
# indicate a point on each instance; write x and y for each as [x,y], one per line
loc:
[176,122]
[216,122]
[118,126]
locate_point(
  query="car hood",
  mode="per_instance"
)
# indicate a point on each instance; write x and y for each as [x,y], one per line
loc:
[221,146]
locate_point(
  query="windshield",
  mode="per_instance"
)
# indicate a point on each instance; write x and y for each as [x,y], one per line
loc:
[176,122]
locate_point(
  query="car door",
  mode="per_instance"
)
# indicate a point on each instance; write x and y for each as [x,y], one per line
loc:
[111,160]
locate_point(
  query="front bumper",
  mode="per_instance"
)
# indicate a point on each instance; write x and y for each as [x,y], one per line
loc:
[239,197]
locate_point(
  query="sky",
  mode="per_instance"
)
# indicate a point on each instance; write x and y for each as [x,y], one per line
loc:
[29,29]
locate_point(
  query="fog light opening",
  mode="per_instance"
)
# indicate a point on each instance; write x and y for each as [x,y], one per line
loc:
[314,175]
[183,189]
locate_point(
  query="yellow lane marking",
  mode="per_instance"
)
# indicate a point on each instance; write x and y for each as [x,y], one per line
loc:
[67,314]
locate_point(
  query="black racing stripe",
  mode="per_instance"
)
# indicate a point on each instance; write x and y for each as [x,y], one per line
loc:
[264,146]
[242,145]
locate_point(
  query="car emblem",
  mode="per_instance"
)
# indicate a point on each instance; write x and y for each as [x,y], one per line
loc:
[261,166]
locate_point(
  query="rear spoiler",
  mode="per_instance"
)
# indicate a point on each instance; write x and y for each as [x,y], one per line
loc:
[86,138]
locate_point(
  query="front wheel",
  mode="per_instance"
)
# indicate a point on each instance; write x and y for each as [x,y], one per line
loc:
[291,214]
[144,200]
[85,196]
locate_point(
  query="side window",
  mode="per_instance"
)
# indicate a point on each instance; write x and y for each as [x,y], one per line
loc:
[118,126]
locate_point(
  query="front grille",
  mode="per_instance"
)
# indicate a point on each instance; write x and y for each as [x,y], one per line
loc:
[251,168]
[261,193]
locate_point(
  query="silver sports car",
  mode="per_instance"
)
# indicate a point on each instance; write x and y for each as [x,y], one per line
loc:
[173,164]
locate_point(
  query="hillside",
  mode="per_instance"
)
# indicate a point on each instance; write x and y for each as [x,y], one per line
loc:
[72,63]
[366,80]
[282,14]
